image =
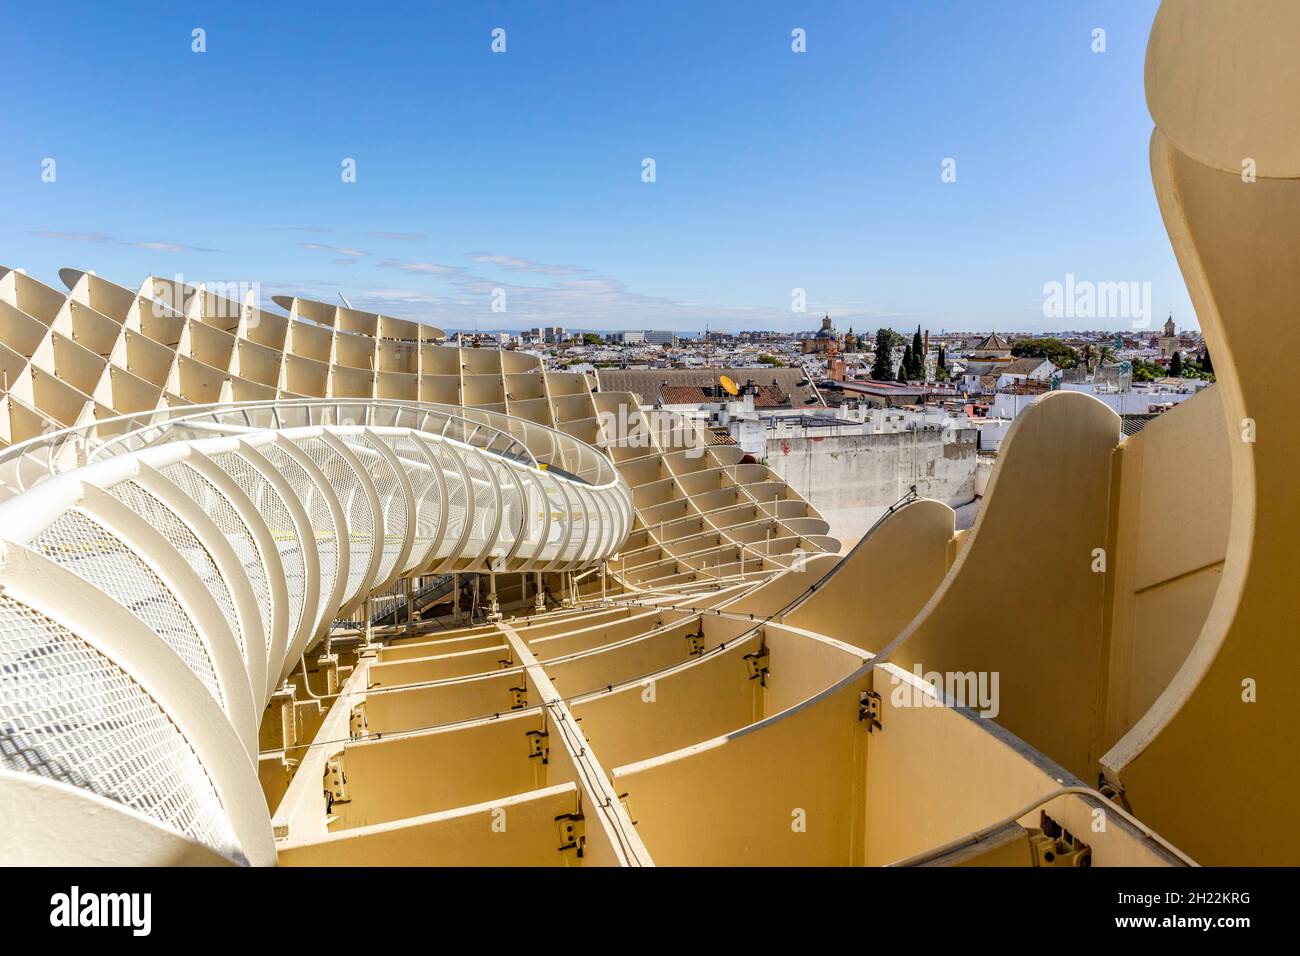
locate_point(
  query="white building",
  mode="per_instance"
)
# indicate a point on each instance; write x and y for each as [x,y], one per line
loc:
[1025,370]
[1141,399]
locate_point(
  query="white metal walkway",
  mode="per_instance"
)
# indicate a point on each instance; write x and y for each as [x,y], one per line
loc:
[162,574]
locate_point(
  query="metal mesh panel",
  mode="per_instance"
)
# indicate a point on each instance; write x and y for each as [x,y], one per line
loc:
[356,508]
[70,714]
[484,505]
[585,515]
[279,521]
[318,513]
[457,500]
[428,498]
[91,552]
[223,514]
[559,506]
[534,508]
[392,500]
[512,510]
[180,537]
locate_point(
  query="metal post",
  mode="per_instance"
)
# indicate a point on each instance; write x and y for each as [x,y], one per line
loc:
[494,609]
[410,606]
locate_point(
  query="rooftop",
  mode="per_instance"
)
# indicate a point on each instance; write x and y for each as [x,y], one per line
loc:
[648,383]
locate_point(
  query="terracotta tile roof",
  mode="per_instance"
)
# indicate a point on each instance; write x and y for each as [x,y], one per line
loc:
[993,342]
[768,396]
[683,395]
[1021,366]
[778,387]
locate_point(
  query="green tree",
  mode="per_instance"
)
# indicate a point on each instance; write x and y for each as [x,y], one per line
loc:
[907,370]
[882,369]
[590,338]
[918,355]
[1146,371]
[771,360]
[902,373]
[1048,347]
[1176,365]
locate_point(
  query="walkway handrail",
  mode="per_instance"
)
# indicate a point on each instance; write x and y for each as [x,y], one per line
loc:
[27,463]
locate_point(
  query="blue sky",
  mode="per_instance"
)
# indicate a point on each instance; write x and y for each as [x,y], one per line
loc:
[523,170]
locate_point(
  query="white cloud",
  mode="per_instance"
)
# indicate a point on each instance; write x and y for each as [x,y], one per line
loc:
[423,268]
[514,264]
[71,236]
[594,302]
[152,245]
[337,250]
[167,247]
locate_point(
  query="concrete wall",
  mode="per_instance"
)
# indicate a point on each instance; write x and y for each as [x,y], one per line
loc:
[852,479]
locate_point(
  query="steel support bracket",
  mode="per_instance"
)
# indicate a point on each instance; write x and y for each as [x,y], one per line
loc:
[869,710]
[572,832]
[539,745]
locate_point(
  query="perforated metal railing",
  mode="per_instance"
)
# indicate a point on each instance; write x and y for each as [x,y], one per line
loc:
[98,556]
[217,507]
[159,583]
[24,465]
[68,713]
[270,504]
